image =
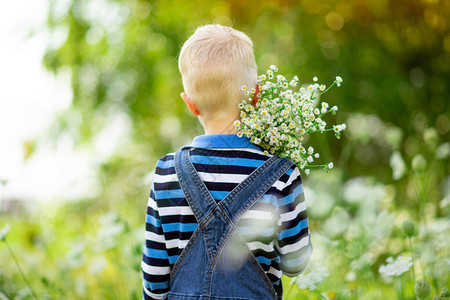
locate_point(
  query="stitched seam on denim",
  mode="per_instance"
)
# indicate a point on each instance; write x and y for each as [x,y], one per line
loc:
[200,184]
[226,217]
[189,245]
[205,223]
[188,167]
[209,252]
[261,272]
[222,204]
[263,275]
[247,180]
[262,190]
[187,195]
[179,170]
[230,229]
[199,212]
[259,192]
[200,226]
[226,235]
[183,255]
[231,226]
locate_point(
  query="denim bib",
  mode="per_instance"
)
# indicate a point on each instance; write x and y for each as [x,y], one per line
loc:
[216,262]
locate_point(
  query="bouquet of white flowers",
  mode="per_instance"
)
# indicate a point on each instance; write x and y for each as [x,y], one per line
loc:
[281,118]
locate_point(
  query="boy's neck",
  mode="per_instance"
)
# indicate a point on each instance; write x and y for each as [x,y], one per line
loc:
[223,126]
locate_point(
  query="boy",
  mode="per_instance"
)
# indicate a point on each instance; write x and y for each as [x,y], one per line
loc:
[198,246]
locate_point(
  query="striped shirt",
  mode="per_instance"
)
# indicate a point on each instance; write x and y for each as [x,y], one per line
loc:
[275,228]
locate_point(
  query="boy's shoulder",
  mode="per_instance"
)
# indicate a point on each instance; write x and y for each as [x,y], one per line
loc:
[228,161]
[165,164]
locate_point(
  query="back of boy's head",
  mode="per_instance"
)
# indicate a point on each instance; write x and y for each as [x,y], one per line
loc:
[215,62]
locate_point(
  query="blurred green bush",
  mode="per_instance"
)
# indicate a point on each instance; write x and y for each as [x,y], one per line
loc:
[392,163]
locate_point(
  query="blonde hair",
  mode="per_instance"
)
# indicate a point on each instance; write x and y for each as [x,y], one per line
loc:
[215,62]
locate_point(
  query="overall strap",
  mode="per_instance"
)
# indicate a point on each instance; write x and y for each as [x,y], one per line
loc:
[254,187]
[251,189]
[194,189]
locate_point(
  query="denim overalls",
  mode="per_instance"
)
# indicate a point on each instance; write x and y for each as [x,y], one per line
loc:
[216,262]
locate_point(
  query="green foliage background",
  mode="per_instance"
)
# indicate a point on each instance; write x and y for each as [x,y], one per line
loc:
[394,57]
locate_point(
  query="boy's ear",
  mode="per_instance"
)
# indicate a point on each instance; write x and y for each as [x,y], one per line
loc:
[191,105]
[257,95]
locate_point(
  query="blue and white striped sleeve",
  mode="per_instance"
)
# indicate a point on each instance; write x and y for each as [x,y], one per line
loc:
[293,237]
[155,260]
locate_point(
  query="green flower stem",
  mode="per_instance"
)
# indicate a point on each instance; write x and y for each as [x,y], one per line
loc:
[325,130]
[316,166]
[289,291]
[420,185]
[420,188]
[323,114]
[325,90]
[20,269]
[320,295]
[401,287]
[376,281]
[412,257]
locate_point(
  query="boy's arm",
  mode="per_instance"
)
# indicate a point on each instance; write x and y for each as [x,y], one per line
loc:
[155,260]
[293,237]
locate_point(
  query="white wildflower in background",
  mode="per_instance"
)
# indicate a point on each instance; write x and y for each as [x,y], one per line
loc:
[443,151]
[396,267]
[4,231]
[312,279]
[398,165]
[111,228]
[281,118]
[364,260]
[419,163]
[362,190]
[98,264]
[350,276]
